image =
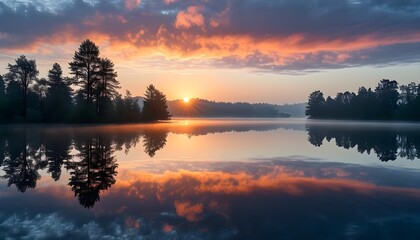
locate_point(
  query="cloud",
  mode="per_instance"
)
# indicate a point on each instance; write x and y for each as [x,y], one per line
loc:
[280,36]
[190,211]
[131,4]
[189,17]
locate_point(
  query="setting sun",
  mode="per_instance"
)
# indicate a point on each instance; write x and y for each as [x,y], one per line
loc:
[186,99]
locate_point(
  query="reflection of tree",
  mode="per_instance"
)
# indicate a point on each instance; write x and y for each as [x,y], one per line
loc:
[57,151]
[153,141]
[95,171]
[21,162]
[386,143]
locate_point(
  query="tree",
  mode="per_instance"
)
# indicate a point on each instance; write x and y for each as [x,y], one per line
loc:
[14,97]
[316,103]
[107,84]
[3,100]
[408,93]
[41,89]
[24,71]
[84,67]
[388,96]
[155,106]
[59,95]
[365,104]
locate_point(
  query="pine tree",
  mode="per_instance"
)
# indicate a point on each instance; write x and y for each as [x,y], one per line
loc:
[84,67]
[107,84]
[155,106]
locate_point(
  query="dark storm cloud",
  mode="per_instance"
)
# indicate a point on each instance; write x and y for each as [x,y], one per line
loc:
[273,35]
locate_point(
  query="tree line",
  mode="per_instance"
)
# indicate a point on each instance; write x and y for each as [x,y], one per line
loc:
[388,101]
[90,95]
[205,108]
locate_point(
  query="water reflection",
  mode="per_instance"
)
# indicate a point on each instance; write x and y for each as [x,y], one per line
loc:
[388,142]
[154,140]
[88,153]
[288,196]
[22,161]
[95,169]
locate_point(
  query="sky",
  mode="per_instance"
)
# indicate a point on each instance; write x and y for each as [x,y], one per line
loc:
[276,51]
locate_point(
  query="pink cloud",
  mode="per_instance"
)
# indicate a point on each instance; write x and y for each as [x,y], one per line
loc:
[132,4]
[190,17]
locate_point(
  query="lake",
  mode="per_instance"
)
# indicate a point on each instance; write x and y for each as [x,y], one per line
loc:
[211,179]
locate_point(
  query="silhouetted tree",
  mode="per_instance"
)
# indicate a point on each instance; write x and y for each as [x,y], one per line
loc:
[3,100]
[59,95]
[24,71]
[127,109]
[365,104]
[40,89]
[107,85]
[387,94]
[155,106]
[14,98]
[316,103]
[84,66]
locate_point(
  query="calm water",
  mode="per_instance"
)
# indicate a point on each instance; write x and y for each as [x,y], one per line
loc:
[211,179]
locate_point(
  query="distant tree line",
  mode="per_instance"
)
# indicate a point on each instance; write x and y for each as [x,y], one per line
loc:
[388,101]
[89,96]
[204,108]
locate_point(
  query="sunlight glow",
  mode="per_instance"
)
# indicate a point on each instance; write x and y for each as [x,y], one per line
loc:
[186,99]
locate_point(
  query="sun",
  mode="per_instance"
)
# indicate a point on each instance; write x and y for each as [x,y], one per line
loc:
[186,99]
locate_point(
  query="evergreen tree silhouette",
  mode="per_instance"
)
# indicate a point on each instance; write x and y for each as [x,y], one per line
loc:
[107,85]
[24,71]
[155,106]
[84,67]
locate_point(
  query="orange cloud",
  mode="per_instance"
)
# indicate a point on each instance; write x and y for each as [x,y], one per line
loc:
[221,33]
[190,17]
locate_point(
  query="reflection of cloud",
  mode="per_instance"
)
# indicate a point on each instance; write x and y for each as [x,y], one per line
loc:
[222,202]
[187,183]
[53,226]
[190,211]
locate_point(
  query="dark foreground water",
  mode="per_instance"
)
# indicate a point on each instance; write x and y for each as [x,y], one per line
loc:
[211,179]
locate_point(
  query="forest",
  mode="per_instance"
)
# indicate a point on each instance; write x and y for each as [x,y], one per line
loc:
[90,95]
[388,101]
[204,108]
